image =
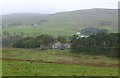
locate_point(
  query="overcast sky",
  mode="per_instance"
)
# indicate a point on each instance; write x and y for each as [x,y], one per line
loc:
[53,6]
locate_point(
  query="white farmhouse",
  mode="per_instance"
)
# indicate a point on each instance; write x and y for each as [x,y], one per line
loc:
[81,35]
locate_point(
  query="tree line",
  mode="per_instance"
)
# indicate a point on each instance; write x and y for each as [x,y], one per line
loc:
[22,41]
[99,44]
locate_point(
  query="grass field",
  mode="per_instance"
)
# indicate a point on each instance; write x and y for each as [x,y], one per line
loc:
[0,68]
[54,30]
[14,68]
[35,62]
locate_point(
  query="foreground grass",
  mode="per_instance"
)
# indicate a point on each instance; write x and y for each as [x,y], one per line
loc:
[0,67]
[14,68]
[55,55]
[47,63]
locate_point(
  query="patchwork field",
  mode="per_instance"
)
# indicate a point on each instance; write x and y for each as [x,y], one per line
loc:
[35,62]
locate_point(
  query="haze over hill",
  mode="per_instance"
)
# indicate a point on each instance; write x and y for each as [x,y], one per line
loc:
[63,23]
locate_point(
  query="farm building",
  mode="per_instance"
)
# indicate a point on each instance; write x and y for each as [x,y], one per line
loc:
[59,45]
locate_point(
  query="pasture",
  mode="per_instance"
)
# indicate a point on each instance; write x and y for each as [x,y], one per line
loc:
[61,23]
[15,68]
[35,62]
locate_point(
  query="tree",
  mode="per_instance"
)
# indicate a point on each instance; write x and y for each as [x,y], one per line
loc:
[101,43]
[61,39]
[45,40]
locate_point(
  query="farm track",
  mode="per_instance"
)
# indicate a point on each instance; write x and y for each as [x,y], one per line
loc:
[65,62]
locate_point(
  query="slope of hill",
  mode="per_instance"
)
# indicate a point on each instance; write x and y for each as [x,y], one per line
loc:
[66,23]
[20,17]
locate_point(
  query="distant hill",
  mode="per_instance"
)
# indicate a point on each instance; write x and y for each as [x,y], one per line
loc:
[63,23]
[21,15]
[119,4]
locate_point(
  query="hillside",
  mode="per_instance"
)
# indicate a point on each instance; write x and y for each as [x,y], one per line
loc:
[63,23]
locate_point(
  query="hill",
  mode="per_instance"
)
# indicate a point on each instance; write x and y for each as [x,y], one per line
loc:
[63,23]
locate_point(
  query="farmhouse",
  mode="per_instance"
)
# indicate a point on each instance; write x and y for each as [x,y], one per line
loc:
[59,45]
[81,35]
[56,45]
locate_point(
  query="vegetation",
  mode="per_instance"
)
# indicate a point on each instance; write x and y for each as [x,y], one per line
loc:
[27,50]
[101,43]
[67,23]
[61,39]
[14,68]
[22,41]
[54,55]
[42,41]
[96,44]
[34,62]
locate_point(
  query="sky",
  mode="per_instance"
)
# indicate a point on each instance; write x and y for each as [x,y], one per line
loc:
[53,6]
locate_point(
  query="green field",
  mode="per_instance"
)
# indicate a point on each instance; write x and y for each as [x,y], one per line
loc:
[32,62]
[63,23]
[54,31]
[14,68]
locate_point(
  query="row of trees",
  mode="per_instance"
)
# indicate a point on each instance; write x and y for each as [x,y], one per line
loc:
[8,39]
[34,42]
[101,43]
[22,41]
